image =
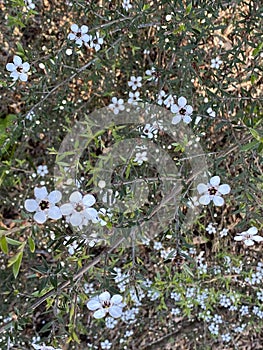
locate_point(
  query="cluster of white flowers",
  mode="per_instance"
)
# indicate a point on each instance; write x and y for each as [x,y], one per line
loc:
[80,36]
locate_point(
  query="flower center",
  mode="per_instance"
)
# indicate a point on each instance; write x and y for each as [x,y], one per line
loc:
[212,191]
[182,111]
[79,207]
[78,34]
[44,205]
[19,69]
[106,304]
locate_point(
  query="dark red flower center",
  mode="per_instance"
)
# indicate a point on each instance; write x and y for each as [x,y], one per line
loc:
[212,191]
[44,205]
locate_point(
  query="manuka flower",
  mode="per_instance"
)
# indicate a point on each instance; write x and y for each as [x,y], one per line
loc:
[44,205]
[249,237]
[42,170]
[141,157]
[44,347]
[134,98]
[126,5]
[135,82]
[18,69]
[216,62]
[182,111]
[104,303]
[213,192]
[78,211]
[117,105]
[79,34]
[96,41]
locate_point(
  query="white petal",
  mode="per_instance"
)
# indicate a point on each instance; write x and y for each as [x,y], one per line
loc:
[175,109]
[40,217]
[204,199]
[189,109]
[54,213]
[67,209]
[10,67]
[71,36]
[238,238]
[79,42]
[99,313]
[187,119]
[40,192]
[54,196]
[215,181]
[31,205]
[23,77]
[218,201]
[224,189]
[115,311]
[176,119]
[85,38]
[182,101]
[104,296]
[93,304]
[26,66]
[74,27]
[116,299]
[91,214]
[84,29]
[76,219]
[248,242]
[14,75]
[88,200]
[17,60]
[258,238]
[75,197]
[253,230]
[202,188]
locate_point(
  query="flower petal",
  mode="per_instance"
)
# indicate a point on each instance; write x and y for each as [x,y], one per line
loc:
[41,192]
[176,119]
[67,209]
[54,213]
[94,304]
[252,231]
[40,217]
[104,296]
[99,313]
[17,60]
[249,242]
[84,29]
[224,189]
[23,77]
[187,119]
[238,238]
[76,219]
[54,196]
[258,238]
[10,67]
[115,311]
[88,200]
[175,108]
[74,27]
[205,200]
[75,197]
[26,66]
[91,214]
[215,180]
[218,201]
[116,299]
[202,188]
[31,205]
[182,101]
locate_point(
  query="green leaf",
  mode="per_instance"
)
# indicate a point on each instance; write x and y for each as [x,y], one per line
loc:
[249,146]
[15,261]
[3,244]
[12,241]
[189,8]
[257,49]
[31,244]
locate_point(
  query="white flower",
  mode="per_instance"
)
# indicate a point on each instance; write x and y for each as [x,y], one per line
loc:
[157,245]
[224,232]
[105,344]
[211,113]
[104,303]
[135,82]
[134,98]
[210,228]
[79,212]
[104,214]
[18,69]
[216,62]
[249,237]
[169,101]
[96,41]
[29,4]
[213,192]
[44,205]
[44,347]
[149,131]
[117,105]
[141,157]
[126,5]
[182,111]
[79,34]
[161,97]
[42,170]
[152,74]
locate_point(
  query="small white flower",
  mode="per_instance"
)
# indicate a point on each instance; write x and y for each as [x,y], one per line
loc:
[224,232]
[29,4]
[104,216]
[152,74]
[79,35]
[149,131]
[161,97]
[44,347]
[216,62]
[44,205]
[157,245]
[18,69]
[78,211]
[126,5]
[42,170]
[106,345]
[211,113]
[249,237]
[141,157]
[134,98]
[117,105]
[96,42]
[135,82]
[213,192]
[210,228]
[104,303]
[169,101]
[182,111]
